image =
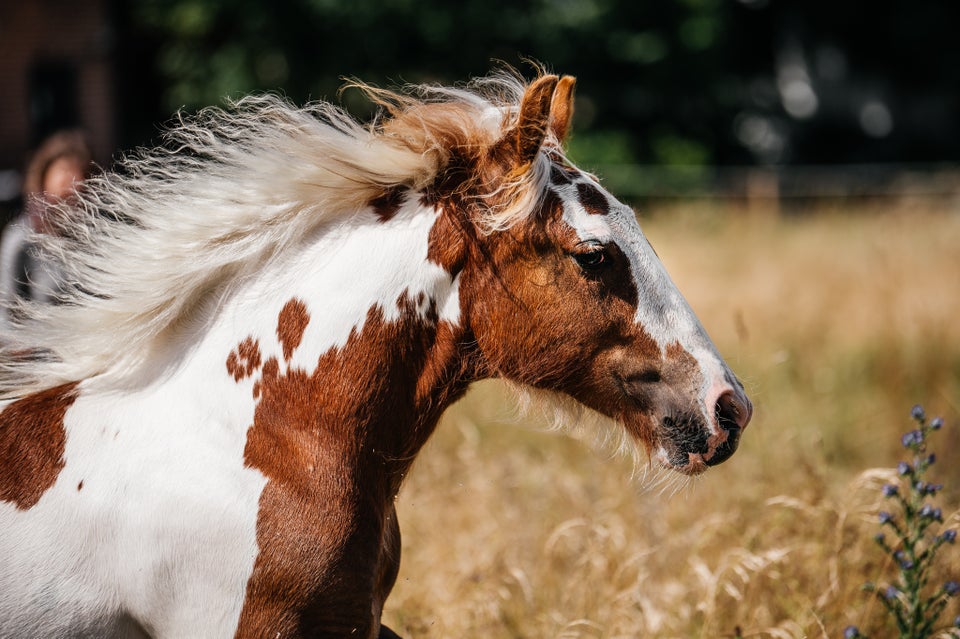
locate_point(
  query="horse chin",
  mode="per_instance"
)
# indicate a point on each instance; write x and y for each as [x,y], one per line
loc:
[710,450]
[667,449]
[694,463]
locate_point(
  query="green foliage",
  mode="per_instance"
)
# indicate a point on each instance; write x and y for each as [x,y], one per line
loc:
[633,60]
[676,150]
[689,66]
[600,148]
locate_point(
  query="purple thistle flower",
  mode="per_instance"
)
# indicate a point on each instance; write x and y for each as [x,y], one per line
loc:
[949,536]
[905,563]
[884,517]
[931,458]
[951,588]
[880,537]
[903,468]
[929,512]
[936,423]
[891,592]
[917,413]
[912,438]
[851,632]
[889,490]
[920,487]
[933,489]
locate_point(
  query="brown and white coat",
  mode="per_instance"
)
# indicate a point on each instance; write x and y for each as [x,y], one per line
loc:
[219,454]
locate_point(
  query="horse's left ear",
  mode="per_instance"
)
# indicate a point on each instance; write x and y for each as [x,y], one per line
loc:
[561,107]
[523,141]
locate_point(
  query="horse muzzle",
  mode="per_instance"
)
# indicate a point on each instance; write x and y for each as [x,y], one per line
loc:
[689,437]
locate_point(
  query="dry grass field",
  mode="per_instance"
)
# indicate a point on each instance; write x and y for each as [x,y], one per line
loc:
[837,322]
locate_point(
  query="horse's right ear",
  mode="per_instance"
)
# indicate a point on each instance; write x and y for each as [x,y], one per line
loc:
[523,141]
[561,107]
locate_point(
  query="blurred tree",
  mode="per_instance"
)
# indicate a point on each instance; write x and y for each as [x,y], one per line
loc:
[680,82]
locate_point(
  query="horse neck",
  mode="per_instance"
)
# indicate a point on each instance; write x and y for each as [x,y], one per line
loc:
[352,342]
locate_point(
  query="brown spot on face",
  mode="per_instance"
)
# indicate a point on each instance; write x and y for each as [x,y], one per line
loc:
[387,204]
[32,441]
[593,201]
[245,359]
[80,486]
[291,324]
[558,176]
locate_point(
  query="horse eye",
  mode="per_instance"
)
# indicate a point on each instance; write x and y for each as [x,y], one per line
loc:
[592,261]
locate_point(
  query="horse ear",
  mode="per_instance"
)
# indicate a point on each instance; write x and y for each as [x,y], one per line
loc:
[523,141]
[561,107]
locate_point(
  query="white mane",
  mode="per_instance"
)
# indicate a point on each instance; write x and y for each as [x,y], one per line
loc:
[144,244]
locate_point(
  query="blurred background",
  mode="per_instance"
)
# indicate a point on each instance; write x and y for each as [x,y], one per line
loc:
[679,98]
[796,163]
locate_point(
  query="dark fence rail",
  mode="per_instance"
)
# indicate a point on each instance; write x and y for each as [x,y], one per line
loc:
[787,183]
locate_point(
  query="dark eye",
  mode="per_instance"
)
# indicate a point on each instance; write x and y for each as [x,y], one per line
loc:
[592,260]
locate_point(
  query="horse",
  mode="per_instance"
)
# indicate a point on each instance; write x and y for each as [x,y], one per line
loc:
[267,315]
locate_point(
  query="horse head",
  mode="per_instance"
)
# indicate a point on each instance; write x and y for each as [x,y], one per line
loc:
[571,297]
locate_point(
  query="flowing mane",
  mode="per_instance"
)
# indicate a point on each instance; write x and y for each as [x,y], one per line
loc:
[229,189]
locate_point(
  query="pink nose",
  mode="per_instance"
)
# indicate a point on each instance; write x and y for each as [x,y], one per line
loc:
[733,411]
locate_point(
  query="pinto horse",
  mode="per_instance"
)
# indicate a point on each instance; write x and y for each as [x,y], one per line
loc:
[266,318]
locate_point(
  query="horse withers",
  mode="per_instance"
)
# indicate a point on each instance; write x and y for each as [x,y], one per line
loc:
[265,320]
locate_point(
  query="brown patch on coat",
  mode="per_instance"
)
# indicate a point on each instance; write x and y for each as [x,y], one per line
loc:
[387,204]
[291,324]
[447,246]
[334,444]
[32,442]
[592,200]
[245,359]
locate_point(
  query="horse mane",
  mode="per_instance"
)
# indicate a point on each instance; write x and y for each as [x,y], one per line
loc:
[229,188]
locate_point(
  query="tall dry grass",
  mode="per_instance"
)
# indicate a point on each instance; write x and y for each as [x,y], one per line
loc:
[838,323]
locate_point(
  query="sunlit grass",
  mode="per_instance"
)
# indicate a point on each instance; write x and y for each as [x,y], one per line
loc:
[838,323]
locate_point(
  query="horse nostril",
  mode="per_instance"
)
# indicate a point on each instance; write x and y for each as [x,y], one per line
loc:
[733,412]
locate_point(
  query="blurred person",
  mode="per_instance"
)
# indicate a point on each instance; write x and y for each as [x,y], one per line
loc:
[59,165]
